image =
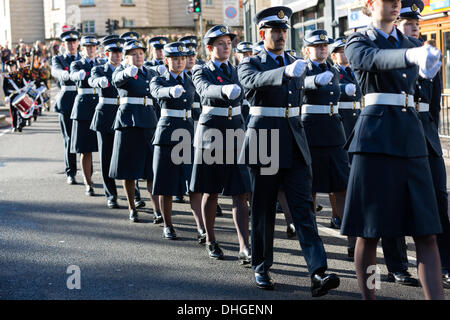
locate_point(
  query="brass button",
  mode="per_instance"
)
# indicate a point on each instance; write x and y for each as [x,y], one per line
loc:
[290,104]
[331,92]
[404,75]
[420,87]
[290,92]
[184,100]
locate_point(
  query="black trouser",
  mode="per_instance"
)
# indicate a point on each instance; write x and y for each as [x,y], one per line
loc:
[69,158]
[16,119]
[395,248]
[105,146]
[297,185]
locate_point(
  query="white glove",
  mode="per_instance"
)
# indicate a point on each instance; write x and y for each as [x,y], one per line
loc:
[80,75]
[232,91]
[131,71]
[324,78]
[161,69]
[176,91]
[103,82]
[430,73]
[65,75]
[295,69]
[425,57]
[350,89]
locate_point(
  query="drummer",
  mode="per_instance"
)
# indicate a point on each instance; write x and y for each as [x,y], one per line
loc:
[11,84]
[134,126]
[106,110]
[175,93]
[84,140]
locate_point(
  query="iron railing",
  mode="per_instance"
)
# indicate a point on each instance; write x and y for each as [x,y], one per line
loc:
[444,116]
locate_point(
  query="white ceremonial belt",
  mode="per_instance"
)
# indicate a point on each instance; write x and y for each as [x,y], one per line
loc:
[422,107]
[108,100]
[68,88]
[275,112]
[146,101]
[319,109]
[196,105]
[224,112]
[349,105]
[86,90]
[176,113]
[390,99]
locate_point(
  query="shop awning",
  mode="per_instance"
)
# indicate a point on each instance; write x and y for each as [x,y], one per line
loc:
[296,6]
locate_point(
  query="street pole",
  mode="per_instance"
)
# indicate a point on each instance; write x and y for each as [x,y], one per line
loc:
[201,35]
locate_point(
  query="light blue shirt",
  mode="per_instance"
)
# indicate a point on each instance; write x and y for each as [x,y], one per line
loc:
[274,57]
[393,33]
[174,75]
[317,63]
[218,64]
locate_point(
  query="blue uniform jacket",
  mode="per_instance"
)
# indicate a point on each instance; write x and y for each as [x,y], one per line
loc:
[208,81]
[65,99]
[84,105]
[381,68]
[266,86]
[160,89]
[133,115]
[345,79]
[322,130]
[105,114]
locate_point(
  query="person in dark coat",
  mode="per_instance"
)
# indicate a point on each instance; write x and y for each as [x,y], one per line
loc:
[175,93]
[84,140]
[66,98]
[105,111]
[215,167]
[134,126]
[390,191]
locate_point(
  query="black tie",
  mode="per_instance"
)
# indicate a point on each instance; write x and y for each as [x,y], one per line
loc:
[142,71]
[92,64]
[160,63]
[180,80]
[349,72]
[189,73]
[393,41]
[224,68]
[280,61]
[323,67]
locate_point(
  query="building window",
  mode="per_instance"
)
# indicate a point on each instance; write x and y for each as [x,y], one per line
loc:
[208,2]
[55,4]
[88,26]
[56,29]
[87,2]
[127,2]
[128,23]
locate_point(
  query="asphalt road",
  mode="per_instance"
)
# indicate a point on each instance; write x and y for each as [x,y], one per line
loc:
[47,226]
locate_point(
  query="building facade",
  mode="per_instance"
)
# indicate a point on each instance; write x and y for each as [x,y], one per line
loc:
[20,23]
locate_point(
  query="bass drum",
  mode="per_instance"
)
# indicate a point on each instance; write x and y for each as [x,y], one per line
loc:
[24,103]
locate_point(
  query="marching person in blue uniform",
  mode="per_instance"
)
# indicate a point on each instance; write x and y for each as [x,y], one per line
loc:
[218,85]
[427,97]
[175,93]
[105,111]
[390,191]
[134,126]
[130,35]
[157,44]
[244,49]
[191,62]
[66,98]
[192,41]
[257,47]
[12,82]
[84,140]
[273,85]
[323,125]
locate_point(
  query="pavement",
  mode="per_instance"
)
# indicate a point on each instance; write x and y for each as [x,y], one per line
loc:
[47,227]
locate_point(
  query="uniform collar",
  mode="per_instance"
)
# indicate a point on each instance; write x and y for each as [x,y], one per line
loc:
[175,76]
[218,63]
[385,35]
[274,56]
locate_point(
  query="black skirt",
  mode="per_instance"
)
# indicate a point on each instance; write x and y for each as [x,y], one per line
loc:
[84,140]
[227,179]
[349,117]
[132,155]
[331,169]
[170,179]
[390,197]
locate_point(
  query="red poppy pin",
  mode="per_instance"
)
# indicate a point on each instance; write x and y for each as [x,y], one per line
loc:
[220,79]
[87,74]
[341,76]
[66,68]
[135,77]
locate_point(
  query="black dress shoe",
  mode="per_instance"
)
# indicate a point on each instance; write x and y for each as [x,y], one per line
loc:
[134,216]
[279,209]
[89,191]
[71,180]
[446,278]
[19,129]
[403,277]
[214,250]
[335,223]
[245,257]
[263,281]
[219,211]
[112,204]
[158,218]
[139,203]
[178,199]
[319,208]
[321,283]
[169,233]
[201,236]
[291,231]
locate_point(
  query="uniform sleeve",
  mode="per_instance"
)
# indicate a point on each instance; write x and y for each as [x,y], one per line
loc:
[435,105]
[119,79]
[363,56]
[74,70]
[158,90]
[252,78]
[310,83]
[57,68]
[204,87]
[94,79]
